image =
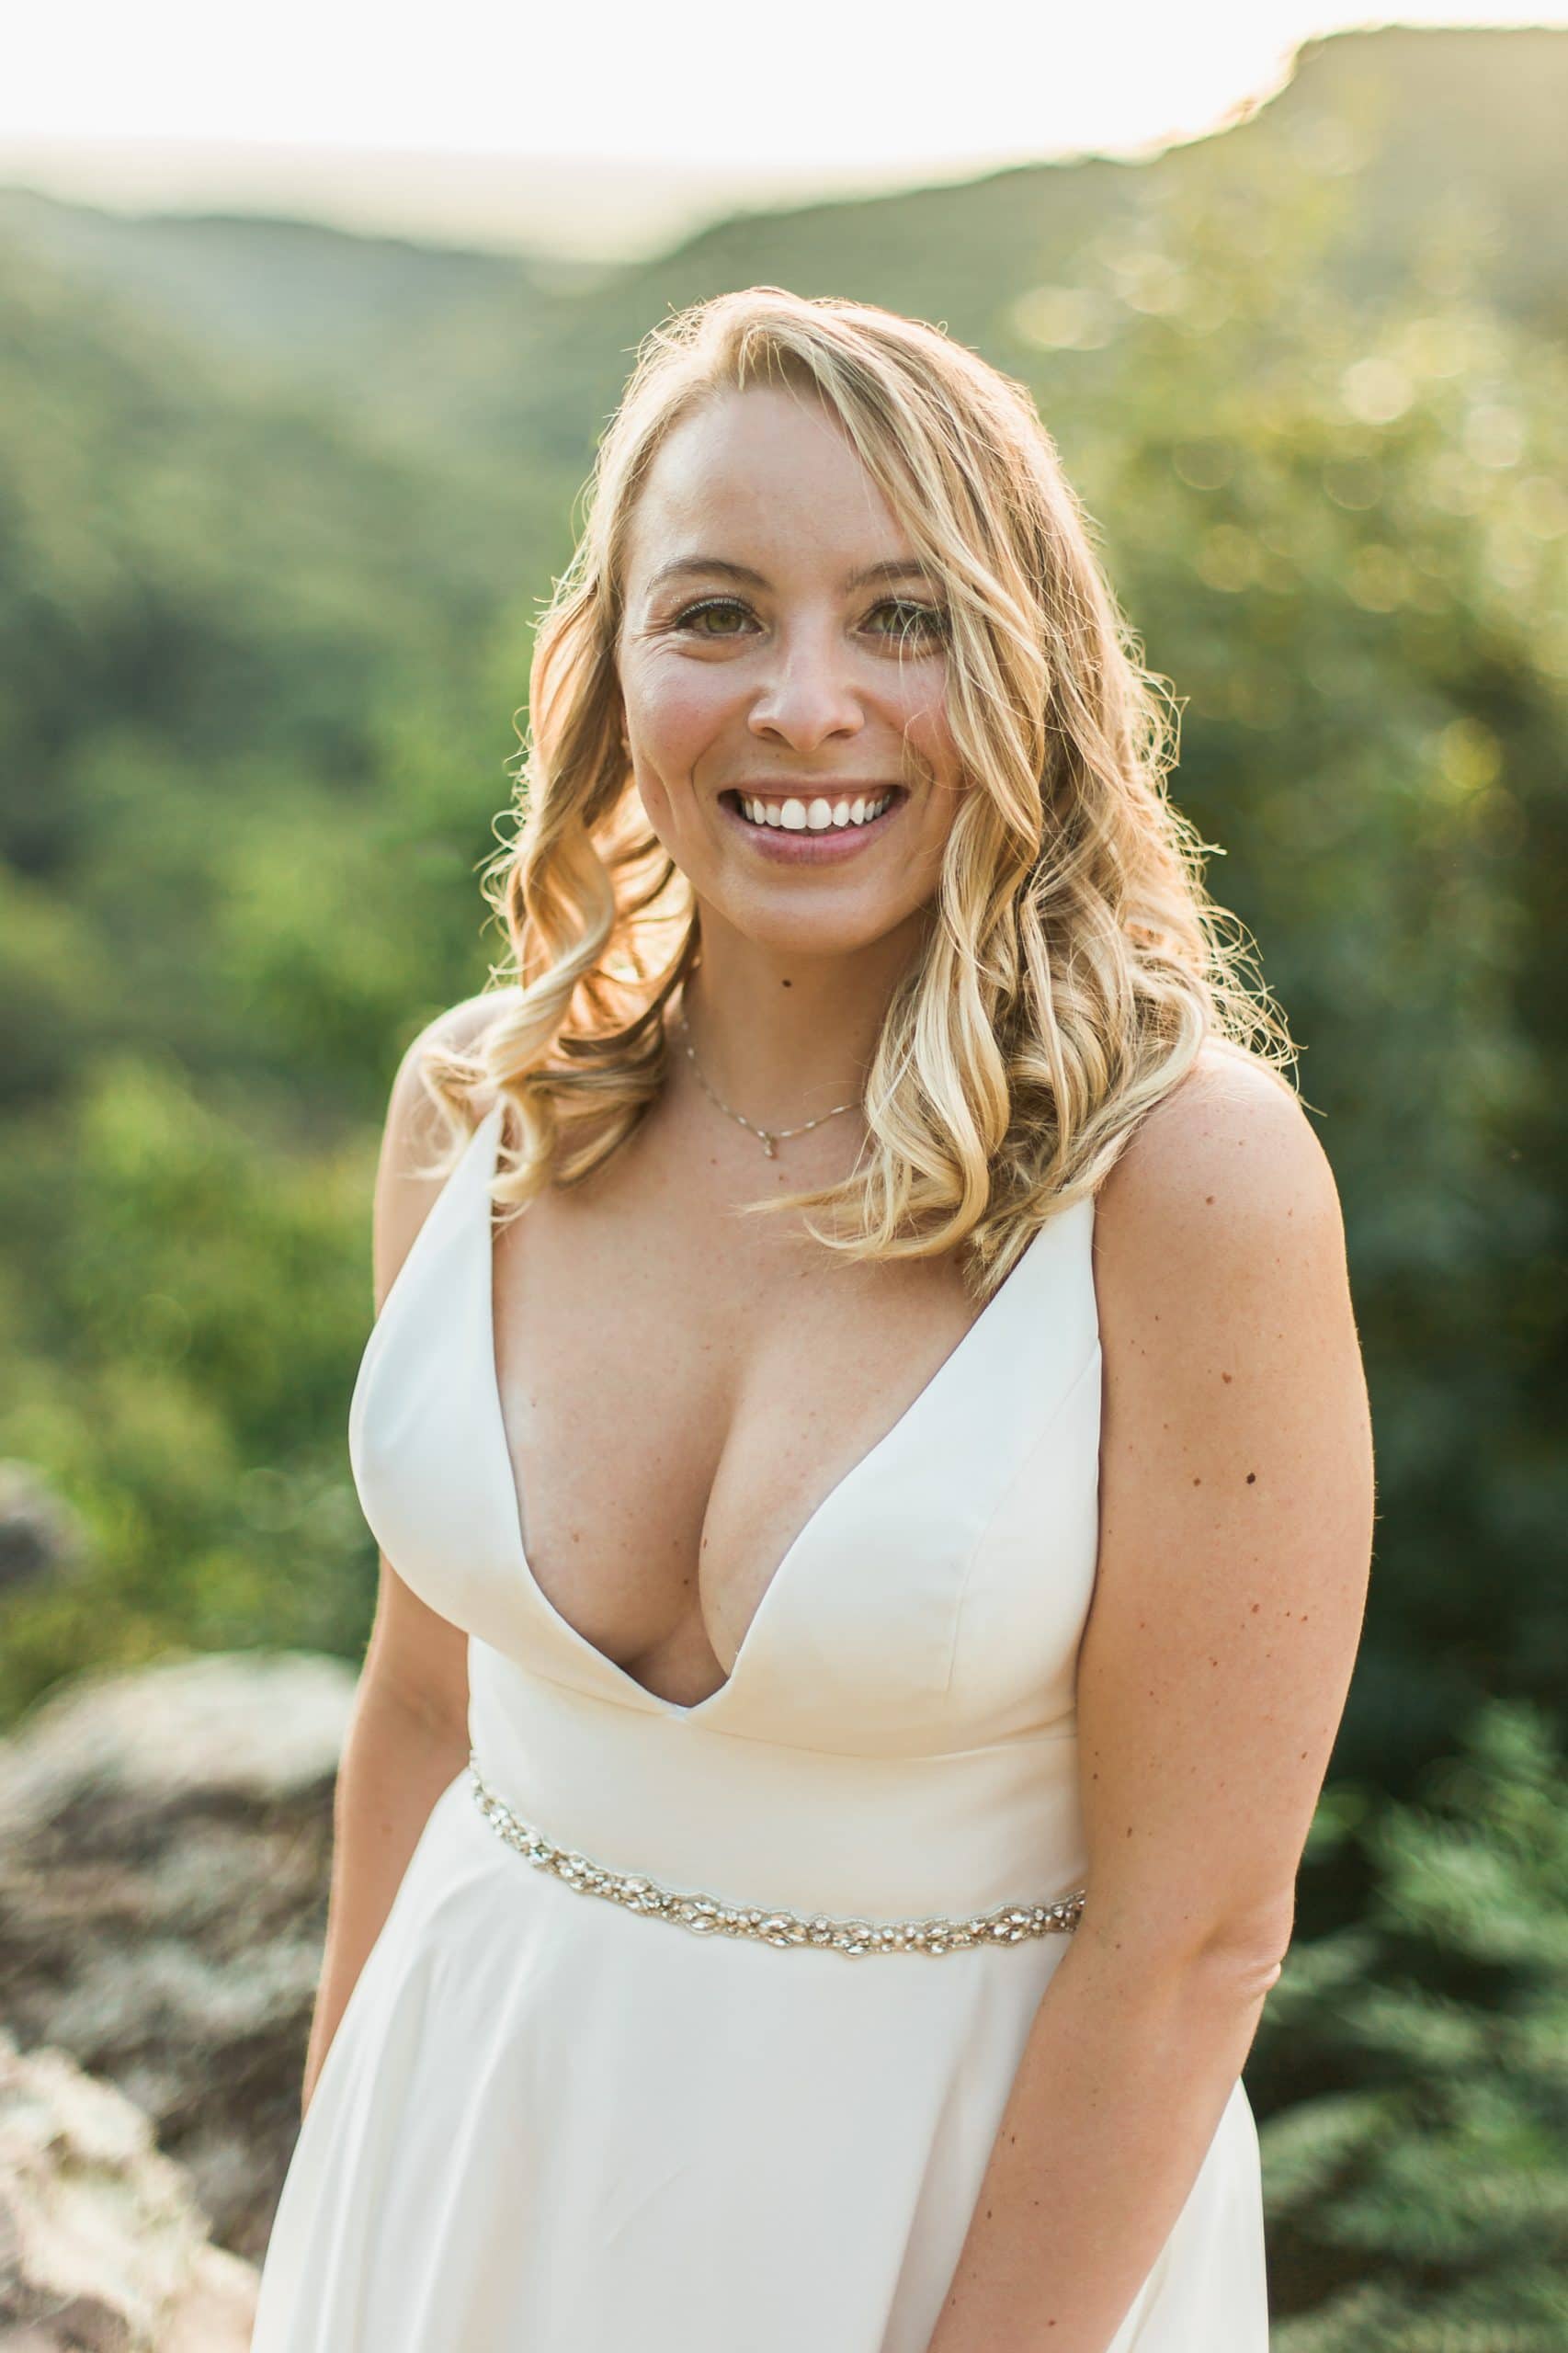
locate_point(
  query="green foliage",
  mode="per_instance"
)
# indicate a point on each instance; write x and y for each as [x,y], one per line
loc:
[252,745]
[1416,2188]
[197,1291]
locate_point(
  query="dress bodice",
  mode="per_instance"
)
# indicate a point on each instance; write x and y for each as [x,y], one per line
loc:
[905,1691]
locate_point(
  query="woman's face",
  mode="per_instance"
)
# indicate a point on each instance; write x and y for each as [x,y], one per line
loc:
[768,594]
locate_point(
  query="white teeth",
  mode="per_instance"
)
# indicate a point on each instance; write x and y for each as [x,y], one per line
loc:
[815,816]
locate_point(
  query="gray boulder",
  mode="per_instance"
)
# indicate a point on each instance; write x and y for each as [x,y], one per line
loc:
[166,1842]
[103,2246]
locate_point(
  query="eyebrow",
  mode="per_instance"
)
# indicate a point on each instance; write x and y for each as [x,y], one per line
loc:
[894,568]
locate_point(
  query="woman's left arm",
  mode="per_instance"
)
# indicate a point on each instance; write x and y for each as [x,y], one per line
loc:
[1236,1508]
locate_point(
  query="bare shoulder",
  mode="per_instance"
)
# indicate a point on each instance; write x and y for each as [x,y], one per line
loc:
[1224,1173]
[407,1179]
[1237,1502]
[457,1030]
[415,1654]
[1218,1239]
[414,1124]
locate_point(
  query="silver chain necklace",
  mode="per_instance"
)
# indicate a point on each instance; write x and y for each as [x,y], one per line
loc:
[770,1138]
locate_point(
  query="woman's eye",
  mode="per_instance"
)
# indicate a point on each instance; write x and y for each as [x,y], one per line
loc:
[724,604]
[913,620]
[916,619]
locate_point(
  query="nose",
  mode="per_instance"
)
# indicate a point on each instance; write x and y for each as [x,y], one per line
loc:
[807,696]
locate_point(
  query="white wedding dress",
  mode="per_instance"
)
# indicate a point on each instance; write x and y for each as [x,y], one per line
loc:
[549,2123]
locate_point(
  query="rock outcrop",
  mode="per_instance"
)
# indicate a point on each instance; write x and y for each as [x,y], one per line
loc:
[166,1838]
[103,2246]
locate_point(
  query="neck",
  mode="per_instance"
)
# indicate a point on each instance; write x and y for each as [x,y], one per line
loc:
[784,1037]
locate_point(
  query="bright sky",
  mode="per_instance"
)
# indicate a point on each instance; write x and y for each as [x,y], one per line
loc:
[816,89]
[816,81]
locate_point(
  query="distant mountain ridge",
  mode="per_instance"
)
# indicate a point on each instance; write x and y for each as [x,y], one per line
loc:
[489,352]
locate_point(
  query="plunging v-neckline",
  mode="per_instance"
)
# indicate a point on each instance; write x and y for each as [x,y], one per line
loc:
[857,1471]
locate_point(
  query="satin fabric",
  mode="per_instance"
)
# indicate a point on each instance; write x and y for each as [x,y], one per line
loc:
[547,2124]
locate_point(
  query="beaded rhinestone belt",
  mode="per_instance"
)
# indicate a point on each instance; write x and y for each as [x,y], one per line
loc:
[707,1916]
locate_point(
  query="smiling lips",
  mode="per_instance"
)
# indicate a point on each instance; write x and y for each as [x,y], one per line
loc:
[818,813]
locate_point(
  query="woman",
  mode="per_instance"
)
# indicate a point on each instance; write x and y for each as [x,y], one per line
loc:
[901,1457]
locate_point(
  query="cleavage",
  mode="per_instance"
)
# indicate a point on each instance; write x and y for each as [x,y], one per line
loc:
[674,1458]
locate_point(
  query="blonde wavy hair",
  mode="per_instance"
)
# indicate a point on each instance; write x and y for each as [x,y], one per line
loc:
[1074,964]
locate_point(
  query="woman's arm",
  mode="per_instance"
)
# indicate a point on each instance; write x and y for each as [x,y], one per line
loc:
[408,1730]
[395,1763]
[1236,1505]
